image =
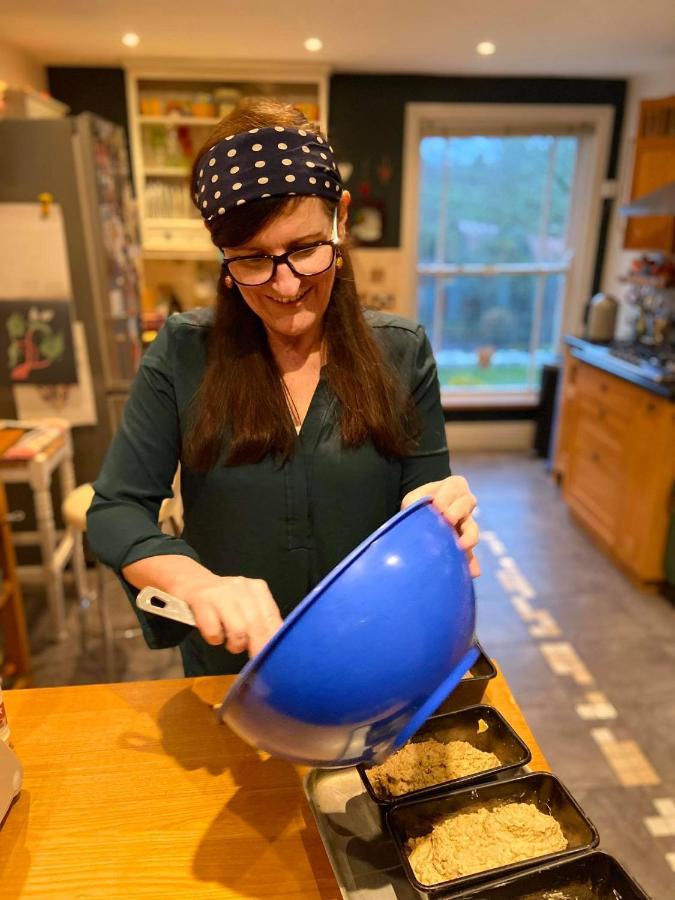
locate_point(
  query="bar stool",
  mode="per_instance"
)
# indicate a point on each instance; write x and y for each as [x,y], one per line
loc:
[74,510]
[57,549]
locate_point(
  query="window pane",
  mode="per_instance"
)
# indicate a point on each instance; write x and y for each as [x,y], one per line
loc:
[495,199]
[484,333]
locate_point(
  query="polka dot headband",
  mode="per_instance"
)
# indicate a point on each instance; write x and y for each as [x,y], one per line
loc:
[265,162]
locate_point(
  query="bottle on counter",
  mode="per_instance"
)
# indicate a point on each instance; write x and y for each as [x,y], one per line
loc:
[601,318]
[4,724]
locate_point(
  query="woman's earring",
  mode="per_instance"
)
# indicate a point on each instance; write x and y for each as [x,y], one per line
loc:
[228,282]
[339,262]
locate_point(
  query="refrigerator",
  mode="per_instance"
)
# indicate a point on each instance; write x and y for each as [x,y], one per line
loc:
[83,162]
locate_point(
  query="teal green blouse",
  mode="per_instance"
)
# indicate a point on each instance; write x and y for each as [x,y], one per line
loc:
[288,523]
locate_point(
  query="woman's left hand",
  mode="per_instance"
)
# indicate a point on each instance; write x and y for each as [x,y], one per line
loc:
[453,498]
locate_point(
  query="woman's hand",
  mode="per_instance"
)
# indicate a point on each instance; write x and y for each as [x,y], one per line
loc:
[238,612]
[453,498]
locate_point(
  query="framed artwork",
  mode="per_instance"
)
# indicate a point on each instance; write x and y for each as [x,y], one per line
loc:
[367,222]
[36,342]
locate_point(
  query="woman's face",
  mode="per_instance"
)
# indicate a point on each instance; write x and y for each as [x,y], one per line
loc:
[289,305]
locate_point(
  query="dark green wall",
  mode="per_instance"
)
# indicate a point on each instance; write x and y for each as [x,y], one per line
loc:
[96,90]
[367,116]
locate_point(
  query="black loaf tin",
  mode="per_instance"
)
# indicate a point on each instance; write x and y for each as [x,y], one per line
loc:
[470,690]
[499,738]
[593,876]
[414,818]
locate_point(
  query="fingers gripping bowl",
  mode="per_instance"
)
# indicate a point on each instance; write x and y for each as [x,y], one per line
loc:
[368,655]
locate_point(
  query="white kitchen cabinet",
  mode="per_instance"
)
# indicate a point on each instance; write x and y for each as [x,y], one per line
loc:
[172,107]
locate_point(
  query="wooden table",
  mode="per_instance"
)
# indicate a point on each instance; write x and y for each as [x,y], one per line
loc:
[135,790]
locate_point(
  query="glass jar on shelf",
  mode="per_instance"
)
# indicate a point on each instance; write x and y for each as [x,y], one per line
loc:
[226,100]
[203,106]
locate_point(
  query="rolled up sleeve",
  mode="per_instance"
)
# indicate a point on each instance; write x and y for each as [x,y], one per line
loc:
[137,474]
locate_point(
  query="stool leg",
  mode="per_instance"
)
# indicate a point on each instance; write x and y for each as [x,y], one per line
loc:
[67,482]
[107,635]
[79,566]
[44,512]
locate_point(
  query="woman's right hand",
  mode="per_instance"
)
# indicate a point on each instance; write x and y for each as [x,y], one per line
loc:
[238,612]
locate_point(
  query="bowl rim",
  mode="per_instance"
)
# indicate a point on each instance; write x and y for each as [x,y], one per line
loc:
[257,661]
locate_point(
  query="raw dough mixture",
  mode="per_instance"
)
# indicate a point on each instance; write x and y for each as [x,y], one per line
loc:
[484,838]
[426,763]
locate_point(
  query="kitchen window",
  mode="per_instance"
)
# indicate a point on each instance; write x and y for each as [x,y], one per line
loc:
[501,225]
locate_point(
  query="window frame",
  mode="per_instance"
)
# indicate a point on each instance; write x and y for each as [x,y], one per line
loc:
[589,189]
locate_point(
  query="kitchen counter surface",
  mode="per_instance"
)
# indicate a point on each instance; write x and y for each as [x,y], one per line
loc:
[136,790]
[598,355]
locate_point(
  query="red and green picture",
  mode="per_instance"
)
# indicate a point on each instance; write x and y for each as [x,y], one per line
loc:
[36,342]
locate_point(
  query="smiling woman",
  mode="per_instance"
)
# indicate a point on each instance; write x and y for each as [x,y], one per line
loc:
[300,422]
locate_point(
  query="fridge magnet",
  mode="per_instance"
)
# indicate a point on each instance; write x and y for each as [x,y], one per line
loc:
[36,342]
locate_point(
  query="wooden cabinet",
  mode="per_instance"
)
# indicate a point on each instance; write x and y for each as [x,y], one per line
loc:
[654,167]
[173,107]
[615,455]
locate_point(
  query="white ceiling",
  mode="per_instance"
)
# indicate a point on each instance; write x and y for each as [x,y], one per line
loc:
[613,38]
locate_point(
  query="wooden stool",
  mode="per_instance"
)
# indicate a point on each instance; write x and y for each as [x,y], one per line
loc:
[16,663]
[74,509]
[57,549]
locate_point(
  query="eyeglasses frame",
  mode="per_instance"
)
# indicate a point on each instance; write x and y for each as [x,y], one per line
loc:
[277,260]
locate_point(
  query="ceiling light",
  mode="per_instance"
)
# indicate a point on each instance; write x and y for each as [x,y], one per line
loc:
[313,44]
[131,39]
[486,48]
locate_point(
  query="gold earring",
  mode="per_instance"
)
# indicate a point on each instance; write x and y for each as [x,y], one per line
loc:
[228,282]
[339,262]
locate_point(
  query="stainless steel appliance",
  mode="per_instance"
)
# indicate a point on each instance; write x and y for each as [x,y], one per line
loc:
[82,161]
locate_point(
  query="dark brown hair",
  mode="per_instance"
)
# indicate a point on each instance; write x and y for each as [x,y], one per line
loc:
[241,396]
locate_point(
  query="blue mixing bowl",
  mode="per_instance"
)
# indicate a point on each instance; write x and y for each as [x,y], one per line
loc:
[369,654]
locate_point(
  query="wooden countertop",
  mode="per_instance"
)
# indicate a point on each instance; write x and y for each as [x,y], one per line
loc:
[135,790]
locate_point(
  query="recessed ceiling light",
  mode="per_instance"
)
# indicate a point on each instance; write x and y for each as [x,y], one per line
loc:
[313,44]
[131,39]
[486,48]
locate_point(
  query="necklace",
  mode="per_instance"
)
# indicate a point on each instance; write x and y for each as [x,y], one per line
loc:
[290,403]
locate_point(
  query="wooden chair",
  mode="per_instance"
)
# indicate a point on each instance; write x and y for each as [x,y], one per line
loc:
[16,663]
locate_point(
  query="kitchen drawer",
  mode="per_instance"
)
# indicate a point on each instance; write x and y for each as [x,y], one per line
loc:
[168,236]
[597,446]
[612,393]
[596,476]
[614,423]
[594,497]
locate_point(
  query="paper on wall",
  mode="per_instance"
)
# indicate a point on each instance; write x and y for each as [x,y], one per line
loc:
[33,253]
[74,402]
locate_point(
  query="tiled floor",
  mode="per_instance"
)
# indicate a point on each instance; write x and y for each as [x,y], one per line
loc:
[616,643]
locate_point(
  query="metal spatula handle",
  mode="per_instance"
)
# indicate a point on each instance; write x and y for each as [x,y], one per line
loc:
[152,600]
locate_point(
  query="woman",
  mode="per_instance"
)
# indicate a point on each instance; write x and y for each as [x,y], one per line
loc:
[301,424]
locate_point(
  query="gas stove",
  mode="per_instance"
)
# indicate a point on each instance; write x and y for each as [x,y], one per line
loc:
[655,361]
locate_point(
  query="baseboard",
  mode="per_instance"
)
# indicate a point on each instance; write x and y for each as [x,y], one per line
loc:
[516,435]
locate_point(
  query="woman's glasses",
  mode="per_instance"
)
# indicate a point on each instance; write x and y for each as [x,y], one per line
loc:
[311,260]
